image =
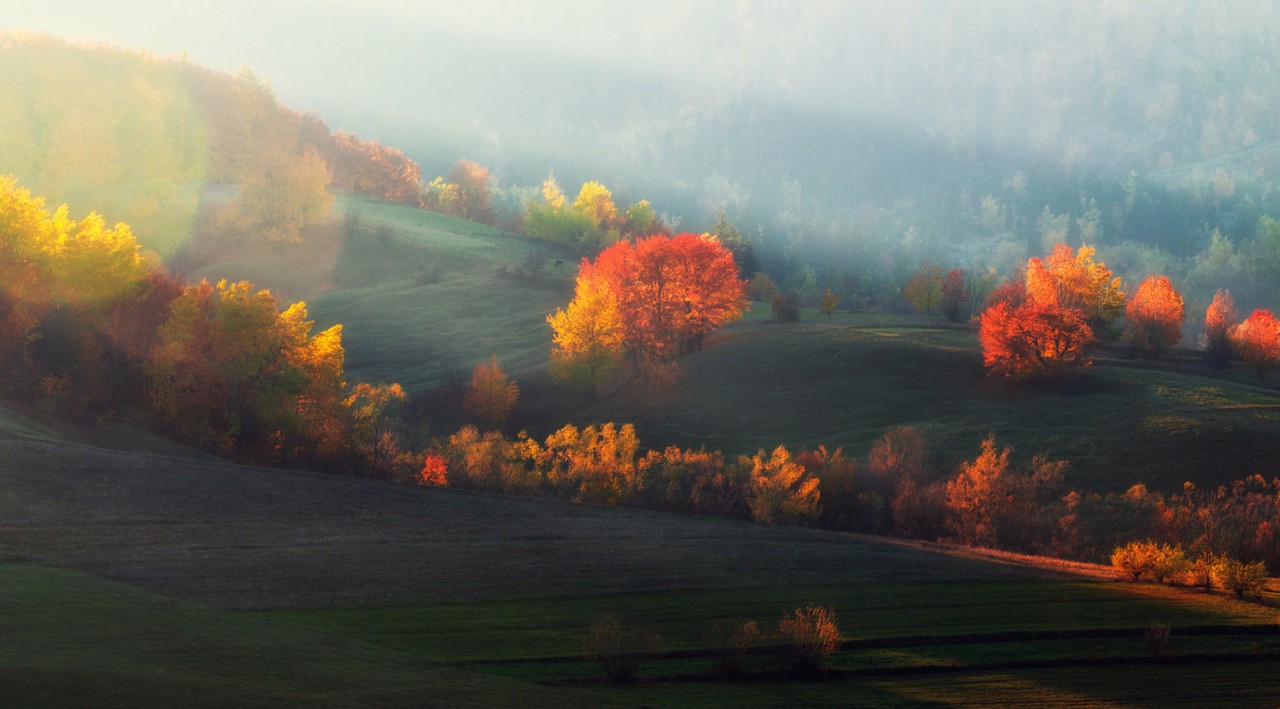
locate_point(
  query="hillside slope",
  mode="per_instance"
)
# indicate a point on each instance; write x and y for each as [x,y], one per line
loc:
[759,384]
[244,537]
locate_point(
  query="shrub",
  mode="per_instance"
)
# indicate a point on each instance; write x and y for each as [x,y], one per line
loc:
[1159,562]
[617,649]
[1239,577]
[730,645]
[1157,637]
[809,636]
[785,308]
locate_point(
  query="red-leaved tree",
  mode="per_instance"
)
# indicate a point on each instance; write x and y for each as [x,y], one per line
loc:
[1219,320]
[1258,339]
[671,292]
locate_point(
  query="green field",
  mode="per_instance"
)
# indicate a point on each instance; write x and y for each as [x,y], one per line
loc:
[143,580]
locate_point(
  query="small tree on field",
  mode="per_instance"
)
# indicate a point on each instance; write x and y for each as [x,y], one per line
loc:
[1258,340]
[955,295]
[810,635]
[785,308]
[617,649]
[924,289]
[491,395]
[1239,577]
[829,302]
[1219,320]
[1154,317]
[1158,562]
[731,644]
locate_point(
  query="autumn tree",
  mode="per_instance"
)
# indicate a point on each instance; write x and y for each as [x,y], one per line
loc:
[782,491]
[1041,323]
[1073,280]
[1154,316]
[596,201]
[1220,319]
[1033,340]
[990,503]
[1258,340]
[955,295]
[492,395]
[372,409]
[587,334]
[924,289]
[670,292]
[829,302]
[282,195]
[465,194]
[367,168]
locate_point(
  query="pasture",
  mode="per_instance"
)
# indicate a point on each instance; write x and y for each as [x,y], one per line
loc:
[147,580]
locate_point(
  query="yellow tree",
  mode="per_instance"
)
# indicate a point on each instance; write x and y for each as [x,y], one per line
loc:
[371,408]
[596,201]
[552,193]
[782,491]
[1085,285]
[587,334]
[491,395]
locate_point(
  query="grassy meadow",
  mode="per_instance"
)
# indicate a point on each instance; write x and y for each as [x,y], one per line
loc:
[149,580]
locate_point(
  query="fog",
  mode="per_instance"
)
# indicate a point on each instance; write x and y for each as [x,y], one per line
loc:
[829,129]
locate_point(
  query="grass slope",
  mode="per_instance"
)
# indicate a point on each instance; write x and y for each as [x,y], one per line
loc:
[758,385]
[373,594]
[423,298]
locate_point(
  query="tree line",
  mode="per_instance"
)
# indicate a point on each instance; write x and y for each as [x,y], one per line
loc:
[89,331]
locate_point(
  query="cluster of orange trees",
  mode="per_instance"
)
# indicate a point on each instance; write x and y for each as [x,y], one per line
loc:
[644,304]
[1044,319]
[993,500]
[87,329]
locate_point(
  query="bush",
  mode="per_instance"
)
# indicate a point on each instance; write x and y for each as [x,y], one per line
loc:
[730,645]
[1157,637]
[809,636]
[1239,577]
[785,308]
[617,649]
[1159,562]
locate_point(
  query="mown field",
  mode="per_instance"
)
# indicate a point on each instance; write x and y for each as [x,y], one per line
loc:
[144,580]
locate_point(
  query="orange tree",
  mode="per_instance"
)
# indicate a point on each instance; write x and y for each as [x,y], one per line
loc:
[1041,324]
[1154,316]
[670,292]
[1258,339]
[1219,320]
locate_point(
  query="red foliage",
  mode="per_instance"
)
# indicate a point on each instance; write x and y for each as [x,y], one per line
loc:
[1219,320]
[955,295]
[1033,340]
[365,167]
[1258,339]
[435,471]
[671,292]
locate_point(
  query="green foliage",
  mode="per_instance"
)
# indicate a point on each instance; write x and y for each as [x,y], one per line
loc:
[565,226]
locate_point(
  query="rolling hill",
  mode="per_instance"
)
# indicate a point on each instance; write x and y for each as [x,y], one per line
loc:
[424,298]
[149,580]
